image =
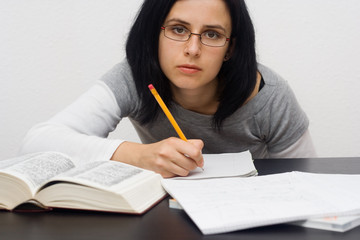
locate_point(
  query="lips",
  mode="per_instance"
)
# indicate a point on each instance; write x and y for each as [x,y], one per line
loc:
[189,69]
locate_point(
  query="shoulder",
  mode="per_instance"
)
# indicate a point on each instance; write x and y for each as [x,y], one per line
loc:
[282,118]
[120,81]
[118,75]
[273,94]
[276,91]
[272,79]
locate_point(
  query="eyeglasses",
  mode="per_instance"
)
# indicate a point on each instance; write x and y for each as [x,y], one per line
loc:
[209,38]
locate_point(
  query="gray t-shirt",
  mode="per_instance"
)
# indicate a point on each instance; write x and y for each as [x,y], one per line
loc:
[270,122]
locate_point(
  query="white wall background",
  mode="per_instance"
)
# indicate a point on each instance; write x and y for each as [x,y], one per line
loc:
[53,50]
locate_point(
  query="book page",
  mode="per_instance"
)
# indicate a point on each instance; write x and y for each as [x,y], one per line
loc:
[35,169]
[224,165]
[12,161]
[101,174]
[229,204]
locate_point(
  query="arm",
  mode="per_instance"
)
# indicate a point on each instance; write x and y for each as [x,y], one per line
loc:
[283,123]
[81,129]
[302,148]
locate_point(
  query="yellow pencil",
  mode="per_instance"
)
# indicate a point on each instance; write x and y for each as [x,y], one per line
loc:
[167,112]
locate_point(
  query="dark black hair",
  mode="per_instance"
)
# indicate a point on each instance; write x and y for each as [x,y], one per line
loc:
[237,76]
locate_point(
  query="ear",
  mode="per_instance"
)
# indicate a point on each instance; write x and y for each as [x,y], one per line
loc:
[230,50]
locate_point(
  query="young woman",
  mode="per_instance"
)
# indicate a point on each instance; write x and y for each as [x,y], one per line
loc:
[200,56]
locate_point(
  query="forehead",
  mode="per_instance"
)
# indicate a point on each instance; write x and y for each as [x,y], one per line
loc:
[201,12]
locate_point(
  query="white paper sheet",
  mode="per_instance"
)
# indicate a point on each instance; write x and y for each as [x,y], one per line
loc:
[224,165]
[229,204]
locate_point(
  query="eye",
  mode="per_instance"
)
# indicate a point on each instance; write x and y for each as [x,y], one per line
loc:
[179,30]
[212,35]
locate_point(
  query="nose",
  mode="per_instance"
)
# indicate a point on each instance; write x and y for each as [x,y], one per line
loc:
[193,45]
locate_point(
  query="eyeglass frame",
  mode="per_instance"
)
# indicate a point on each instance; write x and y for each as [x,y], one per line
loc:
[198,34]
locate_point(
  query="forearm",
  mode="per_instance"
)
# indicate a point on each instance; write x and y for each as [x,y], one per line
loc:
[80,147]
[81,129]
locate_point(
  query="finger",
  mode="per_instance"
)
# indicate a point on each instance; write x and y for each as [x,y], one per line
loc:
[166,174]
[184,161]
[183,155]
[178,170]
[195,152]
[175,167]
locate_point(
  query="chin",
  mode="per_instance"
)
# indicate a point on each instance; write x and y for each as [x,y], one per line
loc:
[185,85]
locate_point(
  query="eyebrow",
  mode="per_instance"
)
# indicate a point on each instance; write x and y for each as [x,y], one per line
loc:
[216,26]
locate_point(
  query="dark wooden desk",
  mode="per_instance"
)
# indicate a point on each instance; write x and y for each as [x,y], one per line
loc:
[164,223]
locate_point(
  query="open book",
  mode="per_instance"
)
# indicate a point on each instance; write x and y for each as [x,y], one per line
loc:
[52,180]
[221,205]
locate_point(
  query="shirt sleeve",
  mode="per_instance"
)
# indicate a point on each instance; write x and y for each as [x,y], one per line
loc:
[284,121]
[81,129]
[302,148]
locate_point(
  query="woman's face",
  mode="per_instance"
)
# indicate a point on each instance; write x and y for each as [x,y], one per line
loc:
[192,66]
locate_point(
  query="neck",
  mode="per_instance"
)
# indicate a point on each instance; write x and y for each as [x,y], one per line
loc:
[204,101]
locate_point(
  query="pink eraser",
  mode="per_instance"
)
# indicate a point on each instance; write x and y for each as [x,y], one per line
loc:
[151,86]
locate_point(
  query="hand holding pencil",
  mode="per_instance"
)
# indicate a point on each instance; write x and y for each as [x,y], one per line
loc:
[170,157]
[168,114]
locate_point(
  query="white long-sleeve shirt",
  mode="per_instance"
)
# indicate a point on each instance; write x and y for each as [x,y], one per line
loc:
[81,129]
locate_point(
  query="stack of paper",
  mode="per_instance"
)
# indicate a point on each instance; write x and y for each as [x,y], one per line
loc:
[221,205]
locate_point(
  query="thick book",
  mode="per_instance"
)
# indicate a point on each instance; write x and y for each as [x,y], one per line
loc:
[51,180]
[220,205]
